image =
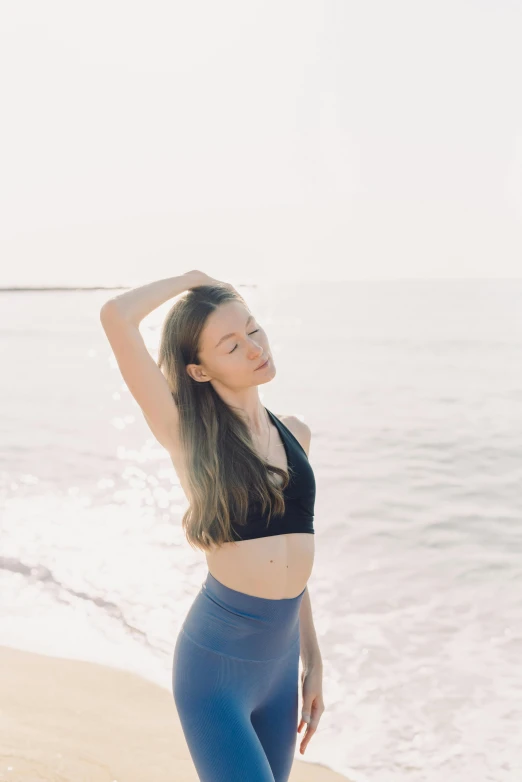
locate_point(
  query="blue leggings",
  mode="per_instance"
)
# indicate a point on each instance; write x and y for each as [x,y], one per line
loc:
[235,679]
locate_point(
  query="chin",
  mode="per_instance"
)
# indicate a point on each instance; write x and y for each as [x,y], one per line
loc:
[267,376]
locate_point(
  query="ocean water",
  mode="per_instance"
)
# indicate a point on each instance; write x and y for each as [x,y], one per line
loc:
[413,391]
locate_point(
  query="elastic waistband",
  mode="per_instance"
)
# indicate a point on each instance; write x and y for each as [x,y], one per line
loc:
[239,625]
[241,601]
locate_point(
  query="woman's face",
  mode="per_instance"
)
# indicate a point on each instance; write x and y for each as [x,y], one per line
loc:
[232,346]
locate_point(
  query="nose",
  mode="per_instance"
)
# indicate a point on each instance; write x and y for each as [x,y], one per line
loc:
[256,348]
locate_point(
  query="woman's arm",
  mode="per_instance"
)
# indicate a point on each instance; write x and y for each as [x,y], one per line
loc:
[136,304]
[312,675]
[120,318]
[310,653]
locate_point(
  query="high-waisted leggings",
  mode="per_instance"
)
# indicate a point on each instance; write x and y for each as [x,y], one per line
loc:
[235,678]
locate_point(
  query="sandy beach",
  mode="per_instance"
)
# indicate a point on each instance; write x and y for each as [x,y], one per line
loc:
[65,720]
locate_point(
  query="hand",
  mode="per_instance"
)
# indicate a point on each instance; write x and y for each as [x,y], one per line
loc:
[200,278]
[313,705]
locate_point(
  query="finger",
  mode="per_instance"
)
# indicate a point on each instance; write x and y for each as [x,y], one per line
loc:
[305,718]
[308,735]
[310,730]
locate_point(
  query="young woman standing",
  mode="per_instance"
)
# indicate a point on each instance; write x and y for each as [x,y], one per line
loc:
[251,494]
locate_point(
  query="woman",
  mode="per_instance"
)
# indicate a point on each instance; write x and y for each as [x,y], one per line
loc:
[251,493]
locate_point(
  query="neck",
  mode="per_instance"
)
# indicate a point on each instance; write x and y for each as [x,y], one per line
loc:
[258,422]
[247,404]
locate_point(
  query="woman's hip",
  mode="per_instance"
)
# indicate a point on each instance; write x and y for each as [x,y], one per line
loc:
[241,626]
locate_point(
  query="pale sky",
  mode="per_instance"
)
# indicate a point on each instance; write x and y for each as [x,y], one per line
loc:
[260,141]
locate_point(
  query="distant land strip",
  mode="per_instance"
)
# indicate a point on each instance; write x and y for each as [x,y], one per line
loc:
[26,289]
[64,288]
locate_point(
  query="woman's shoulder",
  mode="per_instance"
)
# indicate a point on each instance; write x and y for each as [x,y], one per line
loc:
[299,429]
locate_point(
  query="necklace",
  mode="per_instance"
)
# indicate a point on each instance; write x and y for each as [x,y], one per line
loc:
[269,433]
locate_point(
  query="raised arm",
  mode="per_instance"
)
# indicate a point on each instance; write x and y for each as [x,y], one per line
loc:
[120,318]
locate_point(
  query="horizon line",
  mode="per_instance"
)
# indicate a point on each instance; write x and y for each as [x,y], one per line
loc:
[56,288]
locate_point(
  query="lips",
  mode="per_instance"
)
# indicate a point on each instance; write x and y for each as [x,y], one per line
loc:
[263,364]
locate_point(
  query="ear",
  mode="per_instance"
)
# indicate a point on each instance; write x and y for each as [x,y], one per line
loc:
[197,373]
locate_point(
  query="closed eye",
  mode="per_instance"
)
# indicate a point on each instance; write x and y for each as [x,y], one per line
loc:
[235,346]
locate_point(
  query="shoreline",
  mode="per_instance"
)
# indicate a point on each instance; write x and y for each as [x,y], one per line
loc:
[65,719]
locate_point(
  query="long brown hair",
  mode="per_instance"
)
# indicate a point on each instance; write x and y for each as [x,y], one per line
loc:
[225,472]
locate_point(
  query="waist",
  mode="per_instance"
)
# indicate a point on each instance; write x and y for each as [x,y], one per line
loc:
[240,625]
[271,567]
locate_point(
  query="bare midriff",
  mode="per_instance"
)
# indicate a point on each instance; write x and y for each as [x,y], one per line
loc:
[275,567]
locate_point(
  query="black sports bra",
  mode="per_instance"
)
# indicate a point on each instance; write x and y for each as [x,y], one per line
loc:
[299,495]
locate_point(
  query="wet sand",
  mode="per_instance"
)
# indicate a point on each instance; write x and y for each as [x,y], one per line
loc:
[65,720]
